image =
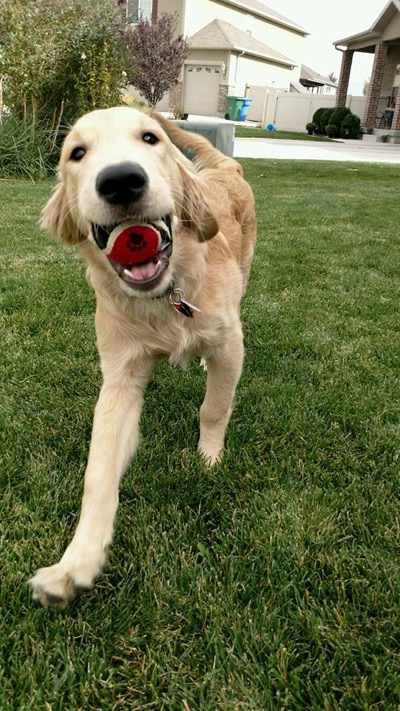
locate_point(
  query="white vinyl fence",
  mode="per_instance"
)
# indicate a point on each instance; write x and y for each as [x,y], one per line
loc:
[291,111]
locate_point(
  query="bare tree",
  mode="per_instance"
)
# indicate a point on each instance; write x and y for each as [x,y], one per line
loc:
[157,56]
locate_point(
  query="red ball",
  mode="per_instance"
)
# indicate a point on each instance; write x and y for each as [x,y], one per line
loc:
[133,244]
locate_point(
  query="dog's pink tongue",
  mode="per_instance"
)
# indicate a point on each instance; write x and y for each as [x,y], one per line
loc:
[143,271]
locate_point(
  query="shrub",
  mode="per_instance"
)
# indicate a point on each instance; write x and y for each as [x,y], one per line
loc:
[178,113]
[331,130]
[317,119]
[337,116]
[350,126]
[27,149]
[340,121]
[310,127]
[325,119]
[61,56]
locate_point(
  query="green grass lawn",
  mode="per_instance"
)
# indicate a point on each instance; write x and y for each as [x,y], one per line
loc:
[271,581]
[259,132]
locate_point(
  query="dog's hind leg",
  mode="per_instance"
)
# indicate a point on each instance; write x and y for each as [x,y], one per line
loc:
[223,373]
[114,440]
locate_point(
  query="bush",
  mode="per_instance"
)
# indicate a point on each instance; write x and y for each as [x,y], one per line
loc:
[331,130]
[317,119]
[340,121]
[350,126]
[61,57]
[337,116]
[325,119]
[27,149]
[178,113]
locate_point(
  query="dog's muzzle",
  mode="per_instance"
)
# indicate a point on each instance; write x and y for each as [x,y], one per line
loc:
[139,253]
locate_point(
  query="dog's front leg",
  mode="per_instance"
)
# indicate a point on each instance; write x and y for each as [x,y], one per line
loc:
[114,440]
[223,372]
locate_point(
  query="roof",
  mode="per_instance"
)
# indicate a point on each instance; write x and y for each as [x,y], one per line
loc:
[257,7]
[297,87]
[371,36]
[222,35]
[310,76]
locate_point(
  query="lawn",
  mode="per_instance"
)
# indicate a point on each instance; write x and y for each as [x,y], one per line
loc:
[259,132]
[271,581]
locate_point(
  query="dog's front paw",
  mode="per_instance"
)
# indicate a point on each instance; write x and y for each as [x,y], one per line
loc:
[211,456]
[56,586]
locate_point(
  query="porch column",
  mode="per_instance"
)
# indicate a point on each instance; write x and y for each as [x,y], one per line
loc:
[347,60]
[375,85]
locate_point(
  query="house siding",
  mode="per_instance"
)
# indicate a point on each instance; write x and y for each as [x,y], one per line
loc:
[174,7]
[392,61]
[283,40]
[261,73]
[242,69]
[392,31]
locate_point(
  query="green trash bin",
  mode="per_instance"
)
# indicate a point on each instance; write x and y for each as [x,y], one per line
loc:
[234,105]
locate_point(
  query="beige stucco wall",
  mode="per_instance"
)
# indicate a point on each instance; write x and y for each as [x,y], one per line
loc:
[174,7]
[243,70]
[201,12]
[389,78]
[203,56]
[392,31]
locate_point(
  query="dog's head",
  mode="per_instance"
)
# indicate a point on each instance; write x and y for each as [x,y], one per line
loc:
[126,187]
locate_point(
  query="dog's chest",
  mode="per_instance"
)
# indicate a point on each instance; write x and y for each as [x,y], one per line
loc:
[170,334]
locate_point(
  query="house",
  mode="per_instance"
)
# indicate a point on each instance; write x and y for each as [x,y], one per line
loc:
[382,109]
[233,44]
[316,83]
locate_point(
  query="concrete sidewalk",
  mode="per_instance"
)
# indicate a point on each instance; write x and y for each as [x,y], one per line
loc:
[349,150]
[368,150]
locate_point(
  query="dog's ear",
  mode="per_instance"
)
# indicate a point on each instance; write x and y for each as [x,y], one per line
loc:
[196,213]
[57,219]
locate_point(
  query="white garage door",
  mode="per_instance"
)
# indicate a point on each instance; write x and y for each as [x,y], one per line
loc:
[201,89]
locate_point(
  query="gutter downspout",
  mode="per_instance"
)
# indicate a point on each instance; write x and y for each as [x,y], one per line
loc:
[237,62]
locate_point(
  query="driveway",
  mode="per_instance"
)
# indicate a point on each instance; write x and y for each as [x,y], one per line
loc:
[276,149]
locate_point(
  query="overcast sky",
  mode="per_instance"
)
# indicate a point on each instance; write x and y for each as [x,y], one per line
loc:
[327,22]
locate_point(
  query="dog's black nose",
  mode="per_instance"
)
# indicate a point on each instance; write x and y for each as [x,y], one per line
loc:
[122,183]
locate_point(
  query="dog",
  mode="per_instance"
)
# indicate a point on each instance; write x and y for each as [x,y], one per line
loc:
[169,243]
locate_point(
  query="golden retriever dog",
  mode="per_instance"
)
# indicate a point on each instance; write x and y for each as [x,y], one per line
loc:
[169,243]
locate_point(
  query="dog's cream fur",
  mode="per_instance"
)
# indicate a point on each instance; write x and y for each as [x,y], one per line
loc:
[214,233]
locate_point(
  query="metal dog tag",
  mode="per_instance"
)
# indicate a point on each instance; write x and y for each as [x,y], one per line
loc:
[178,301]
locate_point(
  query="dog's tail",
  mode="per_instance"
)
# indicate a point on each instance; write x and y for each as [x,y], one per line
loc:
[205,154]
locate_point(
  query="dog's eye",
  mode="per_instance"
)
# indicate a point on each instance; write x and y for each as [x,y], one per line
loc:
[78,153]
[149,137]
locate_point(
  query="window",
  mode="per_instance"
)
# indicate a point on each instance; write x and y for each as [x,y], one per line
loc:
[138,10]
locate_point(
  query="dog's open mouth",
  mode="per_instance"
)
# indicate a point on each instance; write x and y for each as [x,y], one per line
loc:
[140,252]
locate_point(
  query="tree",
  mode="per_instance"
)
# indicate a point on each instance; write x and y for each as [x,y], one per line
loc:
[157,57]
[332,77]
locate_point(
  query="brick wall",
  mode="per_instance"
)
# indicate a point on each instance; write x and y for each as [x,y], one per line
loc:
[344,78]
[175,95]
[375,85]
[222,94]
